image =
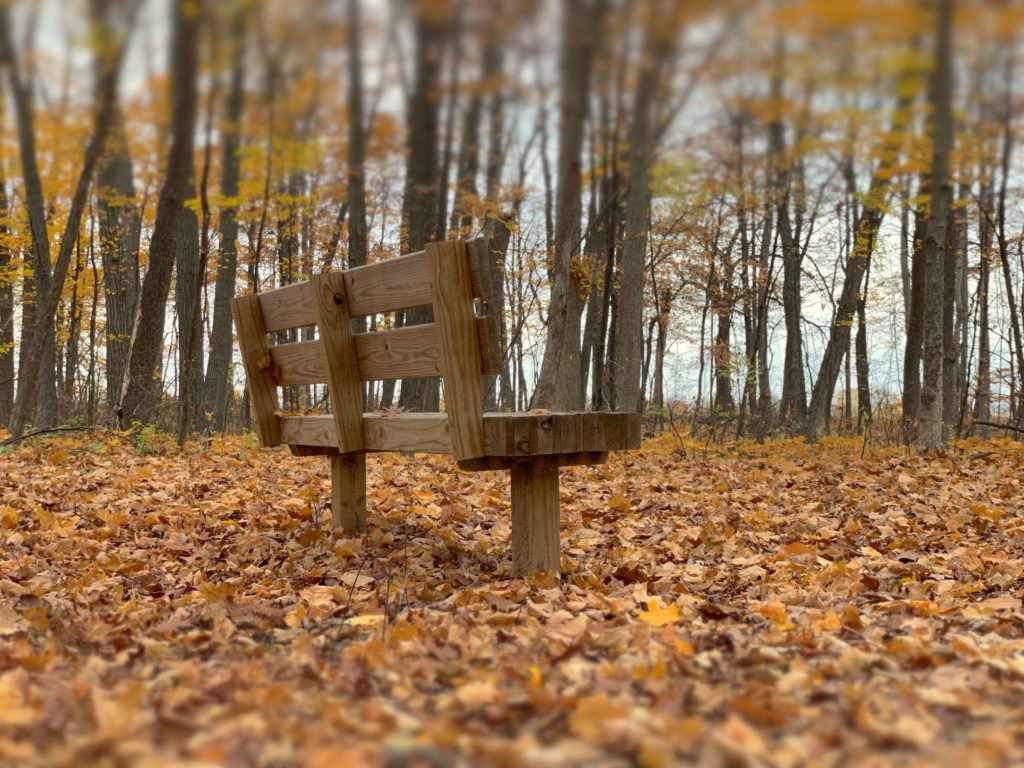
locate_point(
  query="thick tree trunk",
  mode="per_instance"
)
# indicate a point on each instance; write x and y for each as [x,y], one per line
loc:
[558,385]
[144,385]
[120,231]
[217,391]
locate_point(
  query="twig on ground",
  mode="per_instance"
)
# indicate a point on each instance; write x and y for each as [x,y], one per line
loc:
[1000,426]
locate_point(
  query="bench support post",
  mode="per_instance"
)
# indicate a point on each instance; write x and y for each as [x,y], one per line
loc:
[348,492]
[535,545]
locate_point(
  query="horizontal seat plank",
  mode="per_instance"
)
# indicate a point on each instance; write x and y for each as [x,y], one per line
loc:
[403,282]
[412,352]
[516,435]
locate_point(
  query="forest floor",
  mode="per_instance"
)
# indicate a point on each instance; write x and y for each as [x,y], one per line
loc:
[780,605]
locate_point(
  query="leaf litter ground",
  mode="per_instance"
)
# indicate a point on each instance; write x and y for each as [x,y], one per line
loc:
[777,605]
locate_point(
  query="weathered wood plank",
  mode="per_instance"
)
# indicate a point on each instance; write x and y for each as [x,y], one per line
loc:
[252,340]
[418,432]
[387,286]
[535,542]
[339,350]
[498,463]
[460,346]
[398,353]
[490,330]
[429,432]
[348,492]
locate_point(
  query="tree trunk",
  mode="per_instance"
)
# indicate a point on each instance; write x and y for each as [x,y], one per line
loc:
[37,367]
[983,393]
[931,434]
[864,233]
[144,385]
[217,391]
[120,231]
[186,279]
[862,361]
[420,198]
[7,278]
[558,384]
[915,323]
[658,47]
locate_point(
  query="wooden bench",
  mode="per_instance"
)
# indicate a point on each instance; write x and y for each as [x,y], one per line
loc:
[458,346]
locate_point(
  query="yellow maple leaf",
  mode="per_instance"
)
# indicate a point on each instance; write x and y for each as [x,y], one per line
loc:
[657,616]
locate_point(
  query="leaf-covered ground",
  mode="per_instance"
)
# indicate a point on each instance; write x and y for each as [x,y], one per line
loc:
[779,605]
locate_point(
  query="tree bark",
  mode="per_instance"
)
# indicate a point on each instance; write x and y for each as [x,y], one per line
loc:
[558,384]
[144,385]
[931,433]
[983,393]
[420,198]
[865,231]
[7,279]
[659,44]
[915,323]
[120,228]
[40,352]
[217,388]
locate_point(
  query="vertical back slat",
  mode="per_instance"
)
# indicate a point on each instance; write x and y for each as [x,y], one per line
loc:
[343,382]
[259,367]
[460,347]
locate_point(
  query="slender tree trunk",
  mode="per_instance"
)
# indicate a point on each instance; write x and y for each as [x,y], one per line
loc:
[144,384]
[658,47]
[186,276]
[558,384]
[7,279]
[724,300]
[420,199]
[217,392]
[915,323]
[37,367]
[983,393]
[1016,331]
[931,432]
[864,410]
[865,232]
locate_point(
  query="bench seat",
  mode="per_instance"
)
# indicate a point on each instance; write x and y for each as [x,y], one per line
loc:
[510,435]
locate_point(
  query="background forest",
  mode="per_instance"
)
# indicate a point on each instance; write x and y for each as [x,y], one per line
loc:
[781,217]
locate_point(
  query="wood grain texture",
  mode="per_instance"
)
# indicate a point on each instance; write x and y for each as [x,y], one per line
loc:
[403,282]
[339,350]
[348,492]
[535,518]
[429,433]
[398,353]
[490,331]
[460,346]
[418,432]
[499,463]
[259,367]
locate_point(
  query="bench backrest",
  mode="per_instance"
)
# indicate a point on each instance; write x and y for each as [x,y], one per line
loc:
[458,345]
